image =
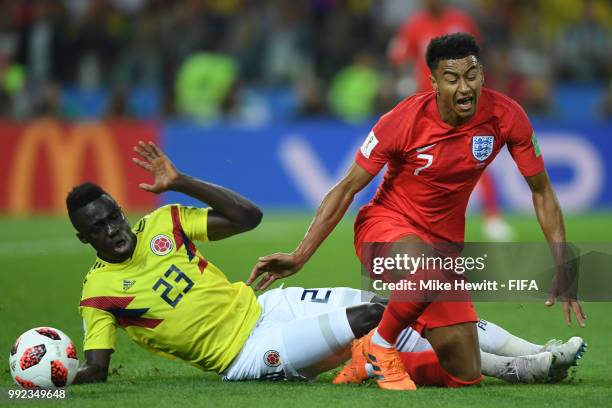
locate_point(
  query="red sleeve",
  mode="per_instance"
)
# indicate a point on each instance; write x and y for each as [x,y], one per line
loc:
[379,146]
[523,145]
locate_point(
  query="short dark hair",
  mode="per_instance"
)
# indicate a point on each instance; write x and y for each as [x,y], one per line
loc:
[82,195]
[451,46]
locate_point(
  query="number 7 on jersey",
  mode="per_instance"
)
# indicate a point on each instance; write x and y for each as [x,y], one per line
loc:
[428,157]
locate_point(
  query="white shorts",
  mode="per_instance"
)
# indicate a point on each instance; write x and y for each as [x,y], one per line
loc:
[264,355]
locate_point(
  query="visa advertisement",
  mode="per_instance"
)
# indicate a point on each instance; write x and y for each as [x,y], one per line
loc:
[288,166]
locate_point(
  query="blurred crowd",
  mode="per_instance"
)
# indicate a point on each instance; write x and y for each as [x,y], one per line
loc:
[208,59]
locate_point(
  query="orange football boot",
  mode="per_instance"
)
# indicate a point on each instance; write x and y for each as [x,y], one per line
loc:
[354,372]
[388,368]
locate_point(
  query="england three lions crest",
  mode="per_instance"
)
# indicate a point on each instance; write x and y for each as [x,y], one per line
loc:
[482,147]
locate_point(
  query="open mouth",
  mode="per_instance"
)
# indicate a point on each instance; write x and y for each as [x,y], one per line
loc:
[121,245]
[465,103]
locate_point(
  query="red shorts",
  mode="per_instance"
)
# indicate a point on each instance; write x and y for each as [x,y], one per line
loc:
[389,228]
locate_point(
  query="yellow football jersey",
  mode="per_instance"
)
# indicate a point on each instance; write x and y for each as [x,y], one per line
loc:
[168,297]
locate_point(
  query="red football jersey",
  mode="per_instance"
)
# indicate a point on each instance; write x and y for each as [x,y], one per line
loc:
[410,42]
[432,167]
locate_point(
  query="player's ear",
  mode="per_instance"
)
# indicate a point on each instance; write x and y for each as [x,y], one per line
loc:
[481,69]
[434,84]
[82,238]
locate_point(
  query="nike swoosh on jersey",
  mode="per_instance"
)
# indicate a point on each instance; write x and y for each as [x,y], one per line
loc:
[424,148]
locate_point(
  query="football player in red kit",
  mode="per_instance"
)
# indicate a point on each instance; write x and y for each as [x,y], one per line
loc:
[435,146]
[407,53]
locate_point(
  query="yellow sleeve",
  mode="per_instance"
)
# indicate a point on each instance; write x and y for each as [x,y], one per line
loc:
[195,222]
[100,328]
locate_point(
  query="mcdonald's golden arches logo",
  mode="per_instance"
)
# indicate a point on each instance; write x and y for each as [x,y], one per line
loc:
[66,152]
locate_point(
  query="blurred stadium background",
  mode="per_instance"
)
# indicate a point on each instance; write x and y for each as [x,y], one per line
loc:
[272,99]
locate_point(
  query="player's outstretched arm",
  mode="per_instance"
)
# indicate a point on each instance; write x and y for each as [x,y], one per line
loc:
[231,213]
[330,212]
[550,217]
[95,368]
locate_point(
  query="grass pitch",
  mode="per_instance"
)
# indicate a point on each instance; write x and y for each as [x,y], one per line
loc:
[43,265]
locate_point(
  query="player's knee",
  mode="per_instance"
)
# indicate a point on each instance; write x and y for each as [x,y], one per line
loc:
[364,318]
[463,371]
[455,356]
[444,349]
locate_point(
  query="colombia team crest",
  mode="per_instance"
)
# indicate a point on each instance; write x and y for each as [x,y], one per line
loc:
[272,358]
[482,147]
[161,245]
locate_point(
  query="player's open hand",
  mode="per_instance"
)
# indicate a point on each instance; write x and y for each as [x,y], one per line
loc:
[273,267]
[569,306]
[158,164]
[564,285]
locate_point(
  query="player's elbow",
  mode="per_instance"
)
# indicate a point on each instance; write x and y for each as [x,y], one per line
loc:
[344,190]
[251,218]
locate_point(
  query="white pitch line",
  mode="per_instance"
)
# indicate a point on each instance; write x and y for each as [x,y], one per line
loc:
[70,245]
[42,247]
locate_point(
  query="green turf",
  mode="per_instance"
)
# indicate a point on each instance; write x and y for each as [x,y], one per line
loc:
[43,265]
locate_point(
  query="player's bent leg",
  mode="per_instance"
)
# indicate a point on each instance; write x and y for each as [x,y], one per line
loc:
[355,371]
[320,343]
[364,318]
[535,368]
[534,365]
[401,312]
[294,349]
[458,351]
[496,340]
[380,349]
[358,370]
[387,366]
[538,367]
[291,340]
[304,302]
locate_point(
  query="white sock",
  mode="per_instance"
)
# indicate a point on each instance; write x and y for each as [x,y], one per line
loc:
[492,365]
[379,341]
[496,340]
[411,341]
[421,345]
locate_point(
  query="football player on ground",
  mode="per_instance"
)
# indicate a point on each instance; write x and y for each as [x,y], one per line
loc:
[435,146]
[151,281]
